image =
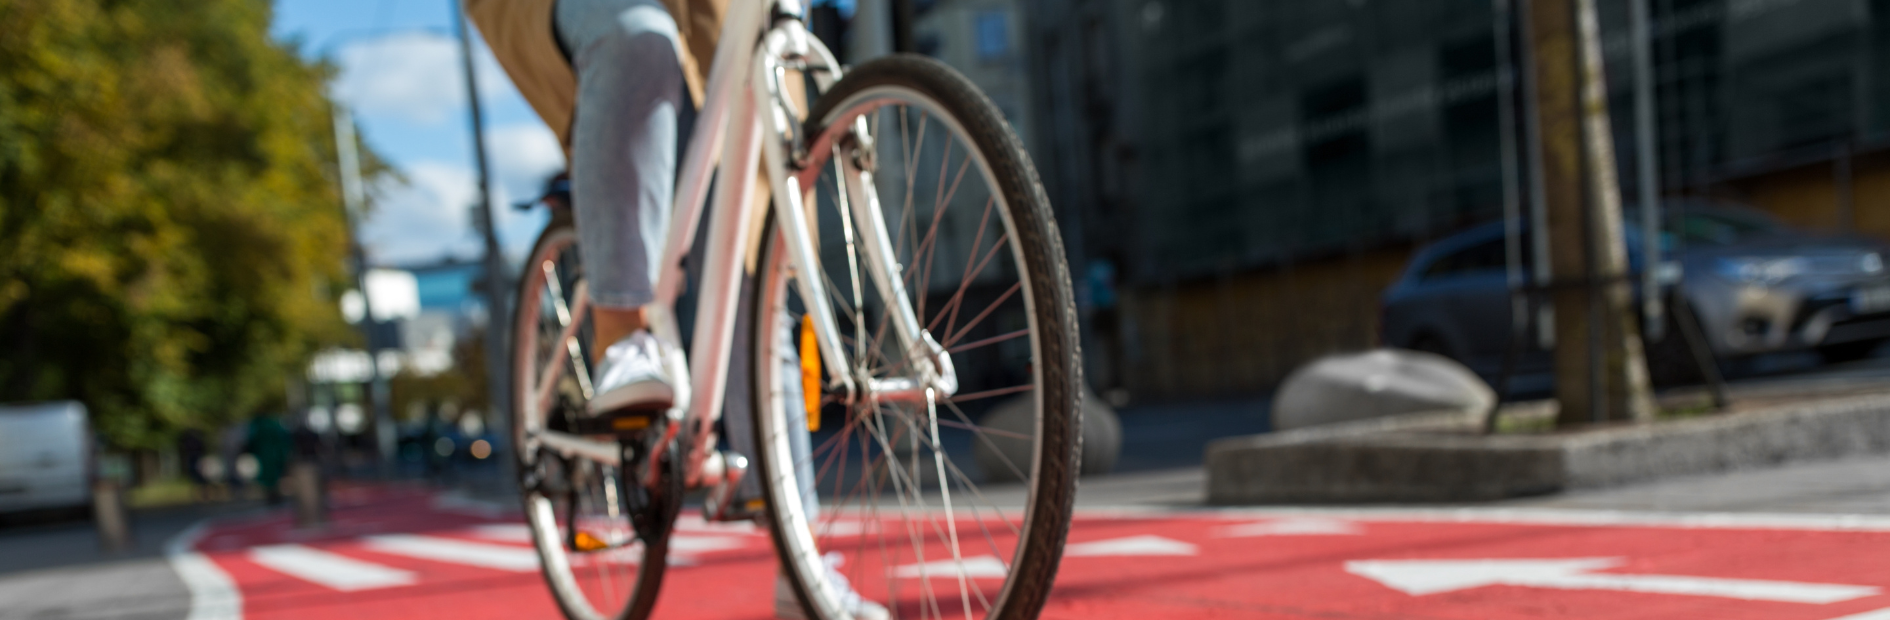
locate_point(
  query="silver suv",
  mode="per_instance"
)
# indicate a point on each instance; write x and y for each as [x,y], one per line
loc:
[1755,285]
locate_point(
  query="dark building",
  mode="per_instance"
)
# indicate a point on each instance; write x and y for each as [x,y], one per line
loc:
[1241,178]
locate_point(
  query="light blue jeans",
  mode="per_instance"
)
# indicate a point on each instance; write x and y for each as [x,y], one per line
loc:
[625,141]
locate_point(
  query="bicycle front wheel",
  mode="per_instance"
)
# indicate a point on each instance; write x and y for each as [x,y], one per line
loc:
[880,497]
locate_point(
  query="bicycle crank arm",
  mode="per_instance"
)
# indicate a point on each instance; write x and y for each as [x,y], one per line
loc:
[570,446]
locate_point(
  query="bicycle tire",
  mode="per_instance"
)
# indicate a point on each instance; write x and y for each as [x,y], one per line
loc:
[540,474]
[1037,252]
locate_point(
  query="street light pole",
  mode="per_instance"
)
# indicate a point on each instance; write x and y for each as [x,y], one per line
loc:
[353,197]
[498,385]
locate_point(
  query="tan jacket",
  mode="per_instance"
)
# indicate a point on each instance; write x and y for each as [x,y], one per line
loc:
[520,35]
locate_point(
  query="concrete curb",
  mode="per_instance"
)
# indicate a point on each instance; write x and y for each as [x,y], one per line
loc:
[1439,457]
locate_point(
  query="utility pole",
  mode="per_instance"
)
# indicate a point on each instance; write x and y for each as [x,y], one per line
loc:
[498,383]
[354,198]
[1600,373]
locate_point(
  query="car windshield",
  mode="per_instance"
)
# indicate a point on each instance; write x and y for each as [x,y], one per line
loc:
[1718,228]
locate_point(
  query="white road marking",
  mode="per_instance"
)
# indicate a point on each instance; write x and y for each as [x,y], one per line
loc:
[336,571]
[1881,614]
[701,544]
[1292,526]
[503,532]
[1421,577]
[213,596]
[976,567]
[1527,516]
[695,523]
[1133,545]
[501,557]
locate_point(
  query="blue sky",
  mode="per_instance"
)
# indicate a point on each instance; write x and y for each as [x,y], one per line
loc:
[400,74]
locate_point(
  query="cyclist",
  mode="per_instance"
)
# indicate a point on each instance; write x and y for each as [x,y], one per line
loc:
[614,79]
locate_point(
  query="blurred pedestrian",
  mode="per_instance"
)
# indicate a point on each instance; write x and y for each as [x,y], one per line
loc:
[270,443]
[192,450]
[230,444]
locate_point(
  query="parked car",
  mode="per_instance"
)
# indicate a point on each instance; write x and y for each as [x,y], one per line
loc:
[45,456]
[1756,286]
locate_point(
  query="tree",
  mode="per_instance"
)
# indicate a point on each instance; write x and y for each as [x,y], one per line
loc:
[173,241]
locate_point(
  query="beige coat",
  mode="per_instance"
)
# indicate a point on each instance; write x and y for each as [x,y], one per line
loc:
[520,35]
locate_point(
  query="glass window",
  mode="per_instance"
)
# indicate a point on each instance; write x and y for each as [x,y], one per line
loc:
[1486,256]
[993,35]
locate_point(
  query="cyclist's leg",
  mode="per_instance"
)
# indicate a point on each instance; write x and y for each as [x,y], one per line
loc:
[624,137]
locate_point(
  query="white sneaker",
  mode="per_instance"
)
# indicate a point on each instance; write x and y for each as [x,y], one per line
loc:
[788,607]
[634,374]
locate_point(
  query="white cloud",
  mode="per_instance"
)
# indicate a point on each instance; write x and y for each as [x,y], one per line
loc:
[522,156]
[428,217]
[414,76]
[423,219]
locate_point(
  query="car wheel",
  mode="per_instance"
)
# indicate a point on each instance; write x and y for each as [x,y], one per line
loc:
[1431,343]
[1847,351]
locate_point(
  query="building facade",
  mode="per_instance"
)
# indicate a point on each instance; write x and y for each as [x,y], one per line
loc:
[1240,179]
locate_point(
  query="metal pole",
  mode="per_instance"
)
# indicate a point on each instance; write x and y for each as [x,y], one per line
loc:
[871,31]
[1512,210]
[354,199]
[1653,310]
[1538,191]
[498,384]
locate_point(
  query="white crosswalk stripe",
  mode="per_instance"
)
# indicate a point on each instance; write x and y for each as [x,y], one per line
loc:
[976,567]
[335,571]
[1132,545]
[485,555]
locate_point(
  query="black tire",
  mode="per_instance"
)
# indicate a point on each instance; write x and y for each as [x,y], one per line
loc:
[1045,282]
[545,480]
[1845,352]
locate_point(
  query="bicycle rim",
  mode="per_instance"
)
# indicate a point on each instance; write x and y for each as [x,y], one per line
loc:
[571,503]
[955,506]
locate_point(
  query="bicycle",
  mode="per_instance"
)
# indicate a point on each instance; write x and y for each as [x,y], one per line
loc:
[970,325]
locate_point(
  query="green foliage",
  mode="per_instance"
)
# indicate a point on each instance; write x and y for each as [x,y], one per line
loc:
[171,244]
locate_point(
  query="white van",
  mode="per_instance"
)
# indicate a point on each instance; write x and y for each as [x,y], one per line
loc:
[45,456]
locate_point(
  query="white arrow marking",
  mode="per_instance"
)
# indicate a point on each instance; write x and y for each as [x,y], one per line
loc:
[976,567]
[1421,577]
[1292,527]
[333,570]
[1881,614]
[1133,545]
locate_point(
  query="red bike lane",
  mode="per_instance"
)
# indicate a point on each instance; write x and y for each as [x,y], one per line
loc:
[411,553]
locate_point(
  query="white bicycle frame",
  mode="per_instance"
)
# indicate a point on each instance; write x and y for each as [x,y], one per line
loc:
[746,114]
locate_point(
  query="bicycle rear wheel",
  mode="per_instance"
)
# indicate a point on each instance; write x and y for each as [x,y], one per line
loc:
[901,514]
[580,511]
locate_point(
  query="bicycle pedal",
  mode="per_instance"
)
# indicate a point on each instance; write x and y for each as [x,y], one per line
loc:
[621,421]
[724,470]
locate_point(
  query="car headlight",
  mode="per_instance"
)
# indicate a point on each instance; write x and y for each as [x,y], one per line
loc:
[1753,270]
[1871,263]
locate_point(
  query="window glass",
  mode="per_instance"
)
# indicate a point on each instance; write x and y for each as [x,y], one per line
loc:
[1484,257]
[1718,228]
[993,35]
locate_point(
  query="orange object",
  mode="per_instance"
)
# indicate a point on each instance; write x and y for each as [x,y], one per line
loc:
[810,372]
[586,542]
